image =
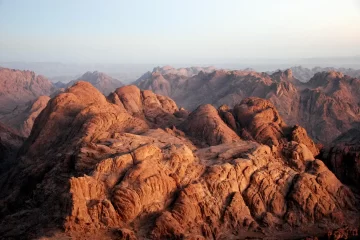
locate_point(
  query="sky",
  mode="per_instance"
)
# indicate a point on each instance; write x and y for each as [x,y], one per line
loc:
[176,31]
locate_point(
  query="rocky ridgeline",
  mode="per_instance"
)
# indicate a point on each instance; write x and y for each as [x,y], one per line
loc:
[326,106]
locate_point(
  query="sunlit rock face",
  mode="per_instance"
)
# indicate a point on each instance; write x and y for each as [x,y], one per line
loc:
[135,166]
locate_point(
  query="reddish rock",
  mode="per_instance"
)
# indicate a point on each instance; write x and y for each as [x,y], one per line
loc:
[261,119]
[19,87]
[326,106]
[206,124]
[22,118]
[93,165]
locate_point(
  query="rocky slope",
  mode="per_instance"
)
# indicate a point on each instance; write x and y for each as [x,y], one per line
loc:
[343,157]
[327,105]
[22,117]
[166,80]
[305,74]
[19,87]
[101,81]
[10,142]
[134,166]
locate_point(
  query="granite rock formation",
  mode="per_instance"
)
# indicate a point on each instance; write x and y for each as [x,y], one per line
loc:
[130,166]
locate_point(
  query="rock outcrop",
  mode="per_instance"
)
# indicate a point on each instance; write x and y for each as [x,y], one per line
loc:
[110,168]
[205,123]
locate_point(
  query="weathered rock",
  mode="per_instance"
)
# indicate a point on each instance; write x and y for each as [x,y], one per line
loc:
[94,164]
[326,106]
[22,118]
[206,124]
[343,157]
[19,87]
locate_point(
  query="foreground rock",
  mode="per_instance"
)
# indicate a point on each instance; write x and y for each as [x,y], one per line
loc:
[121,168]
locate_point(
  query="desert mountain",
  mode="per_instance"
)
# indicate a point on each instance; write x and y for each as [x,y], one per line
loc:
[305,74]
[166,80]
[326,106]
[101,81]
[19,87]
[135,166]
[23,116]
[60,84]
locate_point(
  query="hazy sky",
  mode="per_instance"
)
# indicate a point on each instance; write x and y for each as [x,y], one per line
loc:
[176,31]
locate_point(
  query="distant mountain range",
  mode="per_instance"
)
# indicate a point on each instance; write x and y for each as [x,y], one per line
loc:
[326,106]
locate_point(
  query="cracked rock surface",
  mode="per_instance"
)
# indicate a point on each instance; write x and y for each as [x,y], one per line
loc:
[130,167]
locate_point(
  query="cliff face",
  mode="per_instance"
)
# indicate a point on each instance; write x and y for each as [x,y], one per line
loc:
[134,166]
[343,157]
[326,106]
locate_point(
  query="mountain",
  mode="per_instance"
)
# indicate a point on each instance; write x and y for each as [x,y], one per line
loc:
[135,166]
[23,116]
[305,74]
[327,105]
[101,81]
[60,84]
[19,87]
[166,80]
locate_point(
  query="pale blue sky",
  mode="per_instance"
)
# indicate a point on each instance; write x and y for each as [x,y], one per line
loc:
[176,31]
